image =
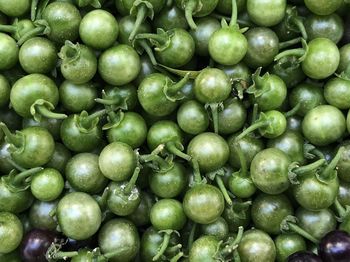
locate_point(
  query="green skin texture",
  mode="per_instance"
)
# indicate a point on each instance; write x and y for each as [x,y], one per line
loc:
[168,214]
[264,248]
[77,97]
[227,46]
[38,147]
[321,59]
[47,185]
[344,58]
[218,229]
[98,29]
[249,145]
[52,125]
[262,47]
[152,97]
[78,215]
[225,6]
[212,85]
[237,218]
[323,125]
[344,193]
[124,6]
[291,75]
[11,232]
[14,8]
[5,90]
[274,92]
[203,204]
[132,130]
[232,117]
[78,65]
[316,223]
[207,6]
[266,13]
[204,249]
[170,17]
[122,59]
[210,150]
[14,202]
[343,166]
[140,217]
[291,143]
[59,158]
[269,171]
[5,166]
[168,183]
[192,117]
[173,55]
[330,27]
[117,161]
[278,124]
[162,132]
[126,26]
[30,88]
[78,140]
[38,55]
[287,244]
[308,95]
[337,92]
[83,173]
[206,27]
[39,215]
[8,52]
[126,93]
[119,234]
[323,7]
[239,71]
[268,212]
[64,20]
[314,194]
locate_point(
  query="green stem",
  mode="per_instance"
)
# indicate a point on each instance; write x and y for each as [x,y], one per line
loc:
[178,72]
[19,178]
[191,5]
[108,101]
[255,113]
[196,172]
[15,139]
[179,85]
[8,28]
[300,25]
[318,153]
[241,206]
[233,21]
[223,190]
[326,173]
[163,246]
[256,125]
[215,116]
[172,148]
[14,164]
[298,52]
[289,43]
[162,164]
[191,236]
[41,8]
[177,257]
[295,228]
[140,17]
[102,201]
[308,168]
[148,51]
[30,34]
[227,250]
[173,249]
[242,160]
[293,111]
[44,111]
[33,8]
[63,255]
[161,39]
[132,181]
[87,120]
[340,209]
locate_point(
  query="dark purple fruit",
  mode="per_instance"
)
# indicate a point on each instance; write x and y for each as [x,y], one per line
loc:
[335,247]
[304,256]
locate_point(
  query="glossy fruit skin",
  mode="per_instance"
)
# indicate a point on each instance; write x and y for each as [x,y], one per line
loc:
[288,244]
[39,215]
[262,47]
[266,13]
[63,19]
[343,193]
[8,52]
[170,17]
[14,8]
[78,215]
[336,92]
[268,212]
[218,229]
[51,124]
[232,117]
[83,173]
[124,7]
[204,249]
[203,204]
[11,232]
[335,246]
[5,90]
[264,251]
[210,150]
[28,89]
[59,158]
[269,165]
[329,26]
[35,244]
[323,125]
[344,58]
[120,234]
[316,223]
[323,7]
[98,29]
[47,185]
[192,117]
[302,256]
[38,55]
[207,7]
[122,59]
[120,155]
[168,214]
[322,58]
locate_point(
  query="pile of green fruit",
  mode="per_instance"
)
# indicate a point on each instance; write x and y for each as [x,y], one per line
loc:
[174,130]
